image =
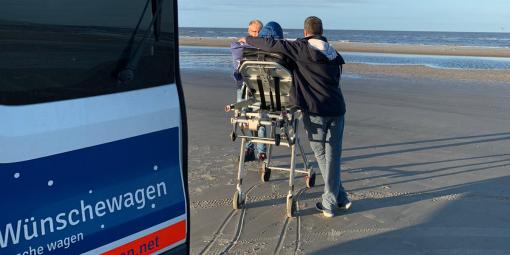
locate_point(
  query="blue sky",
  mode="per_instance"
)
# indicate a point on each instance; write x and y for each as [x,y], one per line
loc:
[414,15]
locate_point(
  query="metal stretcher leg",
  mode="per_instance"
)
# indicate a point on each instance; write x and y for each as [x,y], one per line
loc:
[287,126]
[291,206]
[264,170]
[270,146]
[310,178]
[238,198]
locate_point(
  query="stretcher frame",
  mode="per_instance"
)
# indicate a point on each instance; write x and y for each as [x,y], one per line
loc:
[267,86]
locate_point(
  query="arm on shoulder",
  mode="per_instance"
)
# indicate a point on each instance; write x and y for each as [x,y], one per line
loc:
[284,47]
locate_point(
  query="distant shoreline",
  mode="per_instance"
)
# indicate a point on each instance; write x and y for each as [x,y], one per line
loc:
[375,47]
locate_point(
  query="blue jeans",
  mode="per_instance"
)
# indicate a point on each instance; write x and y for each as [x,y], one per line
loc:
[261,132]
[325,135]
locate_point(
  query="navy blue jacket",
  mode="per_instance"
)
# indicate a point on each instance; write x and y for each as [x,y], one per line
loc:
[316,78]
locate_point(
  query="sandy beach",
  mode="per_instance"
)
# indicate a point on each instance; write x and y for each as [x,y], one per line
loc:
[374,47]
[425,162]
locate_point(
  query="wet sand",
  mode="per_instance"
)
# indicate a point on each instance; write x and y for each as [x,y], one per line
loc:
[419,71]
[405,71]
[425,162]
[376,48]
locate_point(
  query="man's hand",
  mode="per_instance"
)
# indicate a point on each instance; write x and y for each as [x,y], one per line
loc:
[242,40]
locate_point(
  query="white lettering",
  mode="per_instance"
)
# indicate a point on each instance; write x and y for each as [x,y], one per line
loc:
[70,217]
[32,228]
[151,190]
[60,219]
[9,231]
[161,186]
[128,197]
[26,227]
[140,198]
[85,208]
[43,229]
[64,243]
[115,205]
[100,209]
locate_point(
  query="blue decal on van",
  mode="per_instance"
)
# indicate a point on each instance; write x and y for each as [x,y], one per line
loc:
[80,200]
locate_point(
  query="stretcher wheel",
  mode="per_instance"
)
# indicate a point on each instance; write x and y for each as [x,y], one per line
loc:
[292,140]
[233,136]
[277,139]
[310,180]
[237,201]
[291,207]
[264,172]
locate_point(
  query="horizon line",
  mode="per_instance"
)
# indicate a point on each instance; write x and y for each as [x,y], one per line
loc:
[378,30]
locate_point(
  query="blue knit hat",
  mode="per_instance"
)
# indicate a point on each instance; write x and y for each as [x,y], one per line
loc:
[271,30]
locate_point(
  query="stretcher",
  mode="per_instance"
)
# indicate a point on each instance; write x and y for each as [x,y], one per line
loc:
[267,86]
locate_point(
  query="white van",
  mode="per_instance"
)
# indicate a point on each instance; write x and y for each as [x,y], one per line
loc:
[93,143]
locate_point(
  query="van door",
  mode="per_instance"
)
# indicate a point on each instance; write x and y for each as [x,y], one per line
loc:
[93,143]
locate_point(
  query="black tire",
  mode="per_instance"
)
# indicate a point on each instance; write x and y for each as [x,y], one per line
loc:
[264,172]
[310,181]
[233,136]
[291,207]
[236,203]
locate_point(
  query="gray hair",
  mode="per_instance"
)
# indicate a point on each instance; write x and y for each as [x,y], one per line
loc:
[256,21]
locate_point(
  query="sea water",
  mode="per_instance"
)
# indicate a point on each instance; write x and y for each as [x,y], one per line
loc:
[217,58]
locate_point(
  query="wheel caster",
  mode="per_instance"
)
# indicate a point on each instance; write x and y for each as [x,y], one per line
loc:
[310,180]
[291,207]
[233,136]
[264,172]
[277,139]
[237,201]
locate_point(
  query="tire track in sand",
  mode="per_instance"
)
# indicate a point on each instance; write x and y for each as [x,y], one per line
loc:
[240,224]
[283,233]
[298,223]
[224,224]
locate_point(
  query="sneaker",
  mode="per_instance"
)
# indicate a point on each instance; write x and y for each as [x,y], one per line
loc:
[345,205]
[327,213]
[249,155]
[262,156]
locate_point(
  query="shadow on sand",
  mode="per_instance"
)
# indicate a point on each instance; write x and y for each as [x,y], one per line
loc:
[474,219]
[466,218]
[454,142]
[492,161]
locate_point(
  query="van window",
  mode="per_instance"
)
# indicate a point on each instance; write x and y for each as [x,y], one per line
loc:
[60,49]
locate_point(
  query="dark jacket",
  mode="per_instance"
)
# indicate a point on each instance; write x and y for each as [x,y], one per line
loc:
[316,77]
